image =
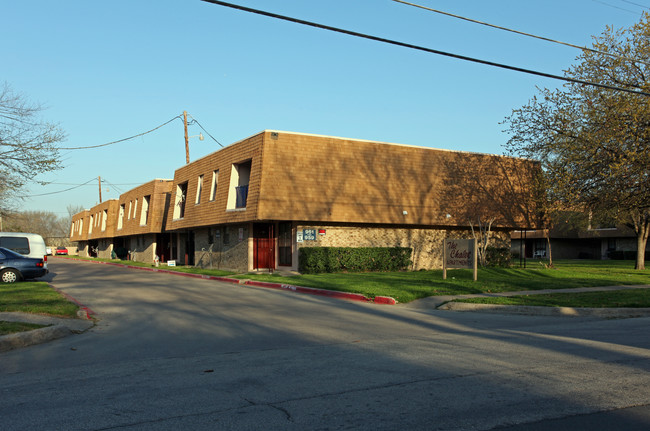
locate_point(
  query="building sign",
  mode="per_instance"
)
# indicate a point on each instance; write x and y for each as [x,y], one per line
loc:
[299,235]
[321,231]
[309,234]
[458,254]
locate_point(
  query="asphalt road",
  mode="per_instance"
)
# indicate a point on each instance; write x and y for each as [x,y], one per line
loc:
[172,352]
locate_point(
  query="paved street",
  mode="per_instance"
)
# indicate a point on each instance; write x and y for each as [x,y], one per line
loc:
[171,352]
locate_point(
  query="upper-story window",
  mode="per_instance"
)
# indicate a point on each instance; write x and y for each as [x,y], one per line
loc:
[179,203]
[120,219]
[104,218]
[144,215]
[213,187]
[239,179]
[199,189]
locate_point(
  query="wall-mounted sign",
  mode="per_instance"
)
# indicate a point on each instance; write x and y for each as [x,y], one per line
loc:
[321,231]
[299,235]
[309,234]
[458,254]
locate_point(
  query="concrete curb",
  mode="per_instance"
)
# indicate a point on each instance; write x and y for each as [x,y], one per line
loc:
[36,336]
[547,311]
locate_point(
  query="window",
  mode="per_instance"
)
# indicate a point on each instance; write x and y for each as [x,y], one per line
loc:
[19,244]
[104,218]
[199,189]
[213,188]
[72,228]
[239,179]
[144,215]
[81,226]
[179,204]
[120,220]
[90,225]
[135,208]
[128,216]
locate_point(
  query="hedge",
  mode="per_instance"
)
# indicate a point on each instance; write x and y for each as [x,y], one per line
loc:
[313,260]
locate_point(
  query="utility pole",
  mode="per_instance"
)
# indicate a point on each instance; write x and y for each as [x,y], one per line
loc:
[100,189]
[187,139]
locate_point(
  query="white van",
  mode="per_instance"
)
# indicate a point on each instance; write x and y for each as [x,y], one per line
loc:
[27,244]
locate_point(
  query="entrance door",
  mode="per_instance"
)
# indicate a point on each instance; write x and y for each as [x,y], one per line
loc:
[263,246]
[284,244]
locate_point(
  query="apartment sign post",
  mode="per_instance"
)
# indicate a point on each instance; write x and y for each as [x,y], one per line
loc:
[459,254]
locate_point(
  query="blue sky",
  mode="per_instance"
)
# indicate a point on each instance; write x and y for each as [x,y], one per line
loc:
[110,70]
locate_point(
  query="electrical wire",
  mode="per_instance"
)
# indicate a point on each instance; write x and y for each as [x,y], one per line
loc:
[615,7]
[121,140]
[424,49]
[635,4]
[523,33]
[194,120]
[61,191]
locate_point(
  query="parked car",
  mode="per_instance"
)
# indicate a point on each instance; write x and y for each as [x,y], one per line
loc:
[15,267]
[48,251]
[27,244]
[61,250]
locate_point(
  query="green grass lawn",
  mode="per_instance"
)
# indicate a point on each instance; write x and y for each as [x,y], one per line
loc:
[12,327]
[633,298]
[35,297]
[408,286]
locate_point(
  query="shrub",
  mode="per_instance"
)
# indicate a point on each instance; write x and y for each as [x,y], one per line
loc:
[498,257]
[314,260]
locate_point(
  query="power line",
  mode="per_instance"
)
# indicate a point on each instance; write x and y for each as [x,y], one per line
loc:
[635,4]
[615,7]
[421,48]
[194,120]
[522,33]
[121,140]
[60,191]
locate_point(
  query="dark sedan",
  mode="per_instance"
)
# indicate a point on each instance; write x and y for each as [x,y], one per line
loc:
[15,267]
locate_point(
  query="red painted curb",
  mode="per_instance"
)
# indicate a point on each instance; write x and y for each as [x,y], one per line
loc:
[309,290]
[386,300]
[86,310]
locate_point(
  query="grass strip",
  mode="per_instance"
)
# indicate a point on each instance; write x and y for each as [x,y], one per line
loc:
[35,297]
[13,327]
[631,298]
[408,286]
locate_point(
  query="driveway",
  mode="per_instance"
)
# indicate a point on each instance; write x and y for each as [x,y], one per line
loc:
[171,352]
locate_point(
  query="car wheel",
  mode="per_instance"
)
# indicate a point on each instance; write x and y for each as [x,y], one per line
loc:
[9,276]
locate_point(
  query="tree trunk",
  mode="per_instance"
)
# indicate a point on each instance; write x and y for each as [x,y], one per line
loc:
[550,253]
[642,228]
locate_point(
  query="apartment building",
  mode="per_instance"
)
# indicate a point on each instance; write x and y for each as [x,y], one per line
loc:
[254,204]
[130,227]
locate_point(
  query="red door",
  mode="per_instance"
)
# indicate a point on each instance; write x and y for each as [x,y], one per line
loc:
[263,246]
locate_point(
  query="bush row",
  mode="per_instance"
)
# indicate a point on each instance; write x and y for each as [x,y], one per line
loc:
[314,260]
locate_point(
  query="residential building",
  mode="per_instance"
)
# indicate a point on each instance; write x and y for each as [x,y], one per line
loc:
[254,204]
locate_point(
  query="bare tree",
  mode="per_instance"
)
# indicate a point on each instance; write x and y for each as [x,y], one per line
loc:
[27,145]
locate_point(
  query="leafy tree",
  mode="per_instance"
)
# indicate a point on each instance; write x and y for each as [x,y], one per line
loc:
[27,145]
[594,142]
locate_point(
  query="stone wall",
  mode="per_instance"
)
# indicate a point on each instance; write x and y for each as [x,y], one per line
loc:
[222,247]
[426,243]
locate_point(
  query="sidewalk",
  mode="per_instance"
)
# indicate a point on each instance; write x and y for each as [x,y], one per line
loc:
[444,303]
